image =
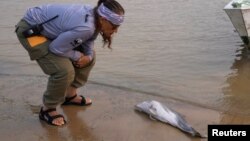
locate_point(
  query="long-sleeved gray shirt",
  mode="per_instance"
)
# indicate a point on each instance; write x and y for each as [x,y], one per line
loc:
[74,26]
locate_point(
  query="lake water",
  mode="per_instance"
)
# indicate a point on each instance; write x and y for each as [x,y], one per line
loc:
[181,49]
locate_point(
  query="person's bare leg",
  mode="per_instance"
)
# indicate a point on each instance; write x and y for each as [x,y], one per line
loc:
[71,91]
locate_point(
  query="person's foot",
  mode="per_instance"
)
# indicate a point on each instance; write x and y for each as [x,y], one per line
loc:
[77,100]
[51,116]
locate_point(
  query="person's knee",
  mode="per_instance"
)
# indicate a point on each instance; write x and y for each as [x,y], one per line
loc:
[91,63]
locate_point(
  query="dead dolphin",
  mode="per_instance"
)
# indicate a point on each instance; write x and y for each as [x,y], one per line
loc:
[158,111]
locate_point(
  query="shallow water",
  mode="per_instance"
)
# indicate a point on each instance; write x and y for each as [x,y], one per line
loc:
[180,49]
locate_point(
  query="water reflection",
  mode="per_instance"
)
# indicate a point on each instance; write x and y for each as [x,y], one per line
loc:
[74,130]
[78,129]
[237,91]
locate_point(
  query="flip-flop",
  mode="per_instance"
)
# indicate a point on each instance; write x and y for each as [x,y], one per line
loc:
[44,115]
[82,103]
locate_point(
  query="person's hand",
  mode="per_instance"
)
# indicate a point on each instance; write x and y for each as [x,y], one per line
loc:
[82,61]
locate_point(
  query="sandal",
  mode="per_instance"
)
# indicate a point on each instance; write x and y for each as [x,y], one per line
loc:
[44,115]
[82,103]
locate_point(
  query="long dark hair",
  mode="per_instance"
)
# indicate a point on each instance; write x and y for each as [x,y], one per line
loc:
[113,6]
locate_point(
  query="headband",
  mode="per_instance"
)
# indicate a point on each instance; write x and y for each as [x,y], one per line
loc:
[110,15]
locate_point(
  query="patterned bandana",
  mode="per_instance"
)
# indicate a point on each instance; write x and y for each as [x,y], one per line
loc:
[110,15]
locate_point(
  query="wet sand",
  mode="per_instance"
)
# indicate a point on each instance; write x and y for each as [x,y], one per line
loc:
[111,117]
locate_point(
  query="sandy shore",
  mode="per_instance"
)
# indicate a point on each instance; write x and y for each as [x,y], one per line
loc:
[111,117]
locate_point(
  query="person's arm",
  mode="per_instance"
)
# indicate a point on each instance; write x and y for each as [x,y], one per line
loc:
[88,48]
[88,53]
[64,44]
